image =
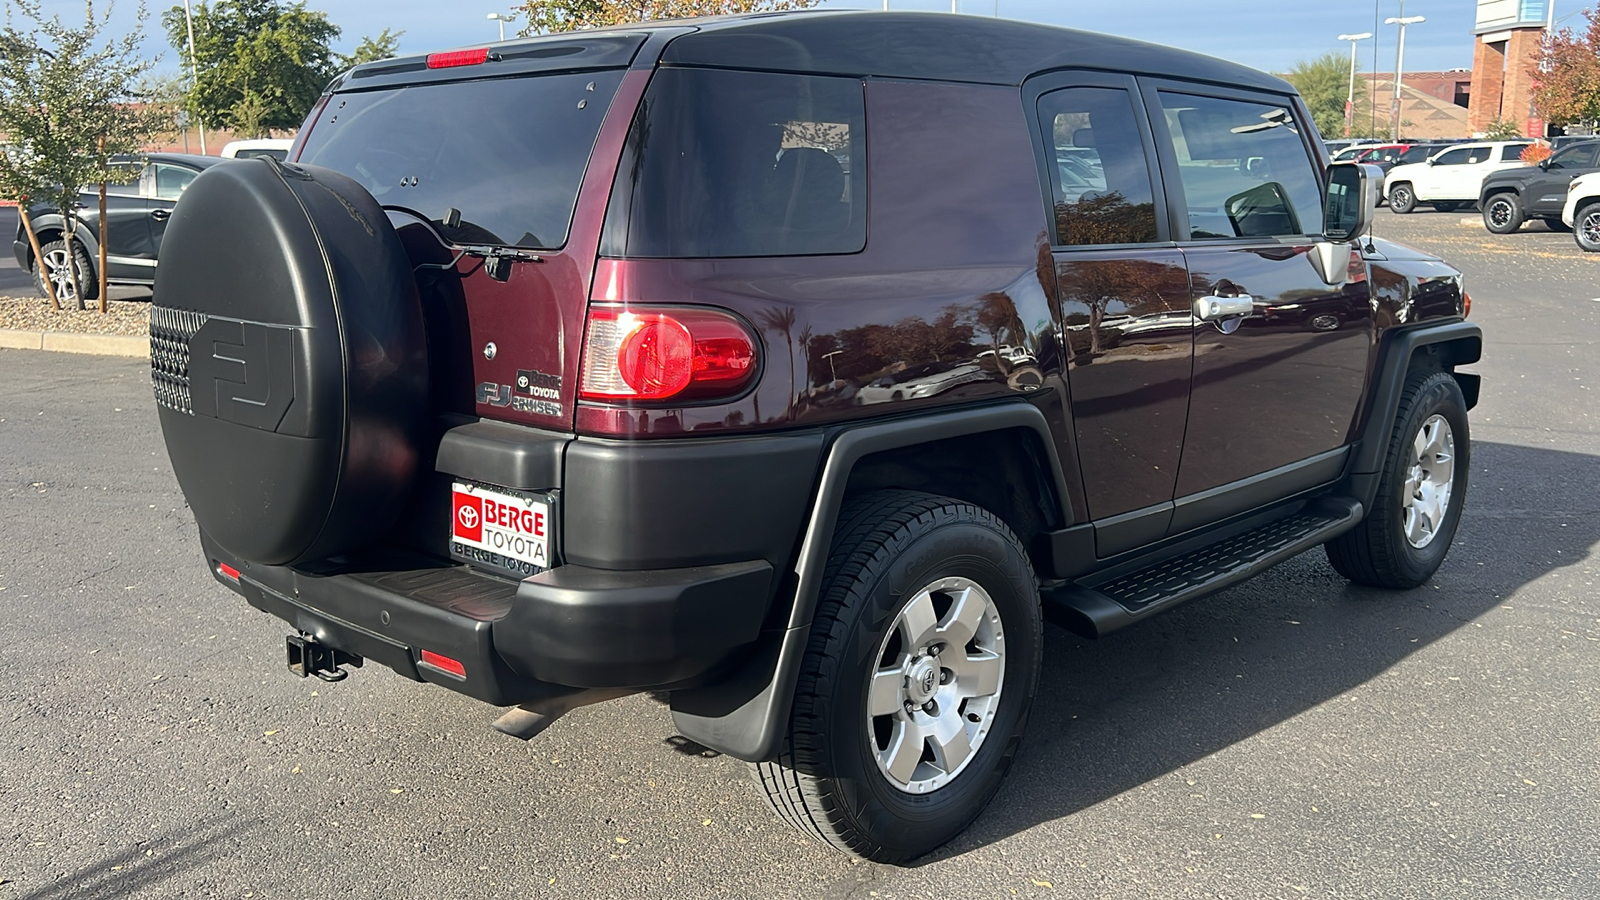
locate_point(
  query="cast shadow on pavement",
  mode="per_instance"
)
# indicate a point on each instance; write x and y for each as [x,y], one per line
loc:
[131,873]
[1113,714]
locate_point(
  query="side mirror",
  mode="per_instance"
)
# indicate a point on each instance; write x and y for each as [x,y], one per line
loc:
[1351,201]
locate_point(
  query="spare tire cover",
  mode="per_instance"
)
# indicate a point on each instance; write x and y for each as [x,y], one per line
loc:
[289,360]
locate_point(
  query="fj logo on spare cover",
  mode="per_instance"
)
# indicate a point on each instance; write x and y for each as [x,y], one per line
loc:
[243,372]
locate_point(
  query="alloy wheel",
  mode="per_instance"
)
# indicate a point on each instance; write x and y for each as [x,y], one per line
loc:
[1429,479]
[932,697]
[1589,227]
[56,269]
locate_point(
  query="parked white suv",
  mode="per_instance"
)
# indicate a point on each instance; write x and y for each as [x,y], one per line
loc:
[1451,178]
[1582,211]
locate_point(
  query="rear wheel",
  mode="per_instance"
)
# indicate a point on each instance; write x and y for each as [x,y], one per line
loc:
[1404,538]
[1586,227]
[1502,214]
[915,686]
[1402,199]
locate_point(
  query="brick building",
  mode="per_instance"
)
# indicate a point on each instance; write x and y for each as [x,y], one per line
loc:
[1506,47]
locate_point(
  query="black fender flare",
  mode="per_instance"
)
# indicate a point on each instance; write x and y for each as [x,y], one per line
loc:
[744,715]
[1455,343]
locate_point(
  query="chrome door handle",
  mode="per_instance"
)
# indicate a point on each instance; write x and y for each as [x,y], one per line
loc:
[1214,308]
[160,215]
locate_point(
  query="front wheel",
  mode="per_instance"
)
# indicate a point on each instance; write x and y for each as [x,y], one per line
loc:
[916,683]
[1404,538]
[1402,199]
[1586,227]
[1502,214]
[55,268]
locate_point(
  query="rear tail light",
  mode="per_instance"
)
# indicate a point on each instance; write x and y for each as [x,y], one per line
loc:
[644,353]
[1466,304]
[458,58]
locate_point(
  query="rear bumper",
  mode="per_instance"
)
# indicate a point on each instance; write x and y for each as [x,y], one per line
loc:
[517,642]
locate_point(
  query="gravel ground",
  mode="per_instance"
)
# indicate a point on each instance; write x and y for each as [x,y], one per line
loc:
[35,314]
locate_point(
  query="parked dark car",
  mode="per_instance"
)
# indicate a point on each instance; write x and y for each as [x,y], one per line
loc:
[136,221]
[1513,196]
[577,366]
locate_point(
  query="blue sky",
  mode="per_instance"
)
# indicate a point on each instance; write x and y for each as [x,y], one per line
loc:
[1267,35]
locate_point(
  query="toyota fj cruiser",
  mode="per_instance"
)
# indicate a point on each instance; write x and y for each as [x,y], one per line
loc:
[798,365]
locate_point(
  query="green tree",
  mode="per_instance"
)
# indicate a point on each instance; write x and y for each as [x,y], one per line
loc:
[372,49]
[65,104]
[1503,130]
[1324,82]
[546,16]
[261,63]
[1567,88]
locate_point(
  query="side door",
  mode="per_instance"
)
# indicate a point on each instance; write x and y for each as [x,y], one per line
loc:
[127,227]
[171,180]
[1122,301]
[1547,192]
[1280,354]
[1434,182]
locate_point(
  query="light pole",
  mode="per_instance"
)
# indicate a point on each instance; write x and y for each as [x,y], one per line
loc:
[194,72]
[1399,68]
[502,18]
[1350,95]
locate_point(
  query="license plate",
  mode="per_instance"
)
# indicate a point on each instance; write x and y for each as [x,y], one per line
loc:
[498,528]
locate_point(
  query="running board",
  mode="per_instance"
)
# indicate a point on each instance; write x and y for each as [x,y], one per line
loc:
[1098,605]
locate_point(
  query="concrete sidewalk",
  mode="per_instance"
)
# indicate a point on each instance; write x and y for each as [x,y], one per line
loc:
[64,342]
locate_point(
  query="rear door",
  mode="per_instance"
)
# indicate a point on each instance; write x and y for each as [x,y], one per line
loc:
[1122,302]
[1275,391]
[171,180]
[128,253]
[1547,193]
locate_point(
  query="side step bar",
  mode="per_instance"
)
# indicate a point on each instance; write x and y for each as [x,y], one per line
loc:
[1097,606]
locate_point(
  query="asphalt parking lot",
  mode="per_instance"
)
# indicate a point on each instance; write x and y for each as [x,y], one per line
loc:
[1292,737]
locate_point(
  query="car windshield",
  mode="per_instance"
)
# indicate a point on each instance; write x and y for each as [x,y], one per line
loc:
[497,161]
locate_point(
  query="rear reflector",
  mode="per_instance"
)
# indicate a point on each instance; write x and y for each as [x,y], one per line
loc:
[458,58]
[228,572]
[1466,304]
[444,664]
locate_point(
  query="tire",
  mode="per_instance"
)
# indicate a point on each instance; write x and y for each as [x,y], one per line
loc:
[308,443]
[1502,214]
[1402,199]
[902,564]
[1383,551]
[55,256]
[1586,227]
[1555,224]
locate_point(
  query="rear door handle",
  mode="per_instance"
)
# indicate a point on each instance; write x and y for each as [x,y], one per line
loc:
[160,215]
[1214,308]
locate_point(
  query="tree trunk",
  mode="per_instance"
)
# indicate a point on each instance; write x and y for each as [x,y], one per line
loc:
[38,255]
[70,238]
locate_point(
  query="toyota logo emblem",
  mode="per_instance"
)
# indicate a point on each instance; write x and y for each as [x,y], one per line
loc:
[468,517]
[928,681]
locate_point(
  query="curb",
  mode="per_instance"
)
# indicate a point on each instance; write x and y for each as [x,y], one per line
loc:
[63,342]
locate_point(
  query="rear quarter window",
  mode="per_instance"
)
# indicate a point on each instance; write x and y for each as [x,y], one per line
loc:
[724,163]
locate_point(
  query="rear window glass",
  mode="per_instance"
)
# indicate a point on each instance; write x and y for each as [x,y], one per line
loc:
[508,154]
[725,163]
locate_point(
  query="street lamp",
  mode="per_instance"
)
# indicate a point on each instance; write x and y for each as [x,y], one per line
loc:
[194,73]
[502,18]
[1399,68]
[1350,95]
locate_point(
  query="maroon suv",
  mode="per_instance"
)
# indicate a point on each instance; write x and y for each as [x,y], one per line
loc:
[798,365]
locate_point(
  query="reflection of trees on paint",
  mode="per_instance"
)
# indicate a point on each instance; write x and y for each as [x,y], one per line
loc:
[871,350]
[997,317]
[1105,218]
[1092,289]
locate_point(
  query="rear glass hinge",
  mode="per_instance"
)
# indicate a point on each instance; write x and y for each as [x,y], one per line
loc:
[498,260]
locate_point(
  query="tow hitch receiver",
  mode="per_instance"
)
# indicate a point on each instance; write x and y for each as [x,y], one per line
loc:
[308,657]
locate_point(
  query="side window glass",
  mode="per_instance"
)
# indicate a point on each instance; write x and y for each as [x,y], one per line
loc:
[1099,171]
[128,183]
[1453,157]
[1244,168]
[1512,153]
[171,181]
